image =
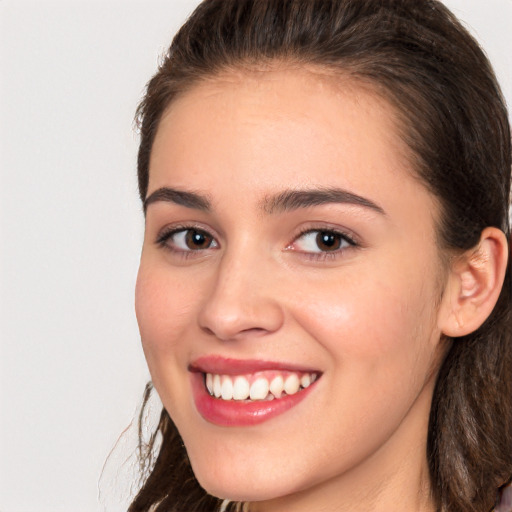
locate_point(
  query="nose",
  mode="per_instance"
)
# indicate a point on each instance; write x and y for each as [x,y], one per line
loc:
[244,300]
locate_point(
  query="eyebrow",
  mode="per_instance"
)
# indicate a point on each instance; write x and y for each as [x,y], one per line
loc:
[296,199]
[285,201]
[181,197]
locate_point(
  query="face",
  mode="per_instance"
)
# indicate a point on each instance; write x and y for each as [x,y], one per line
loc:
[288,287]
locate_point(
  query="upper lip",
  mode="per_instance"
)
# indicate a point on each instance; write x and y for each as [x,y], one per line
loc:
[227,366]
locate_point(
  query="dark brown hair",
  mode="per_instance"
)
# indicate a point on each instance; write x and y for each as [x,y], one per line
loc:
[453,118]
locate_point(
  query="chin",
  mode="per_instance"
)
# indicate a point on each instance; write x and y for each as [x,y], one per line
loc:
[241,479]
[239,489]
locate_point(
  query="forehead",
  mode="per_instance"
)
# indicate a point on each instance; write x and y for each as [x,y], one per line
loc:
[258,131]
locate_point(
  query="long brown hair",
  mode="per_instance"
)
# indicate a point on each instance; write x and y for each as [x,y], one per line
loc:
[454,120]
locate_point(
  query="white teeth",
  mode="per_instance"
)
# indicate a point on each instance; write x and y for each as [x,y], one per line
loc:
[241,388]
[209,383]
[217,388]
[259,389]
[277,386]
[227,388]
[305,380]
[291,384]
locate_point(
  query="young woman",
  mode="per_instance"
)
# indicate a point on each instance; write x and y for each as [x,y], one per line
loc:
[324,295]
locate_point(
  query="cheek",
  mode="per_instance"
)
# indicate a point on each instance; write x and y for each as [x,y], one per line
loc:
[369,319]
[380,338]
[164,312]
[163,307]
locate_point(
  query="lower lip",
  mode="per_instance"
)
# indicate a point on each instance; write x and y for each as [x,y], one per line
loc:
[232,413]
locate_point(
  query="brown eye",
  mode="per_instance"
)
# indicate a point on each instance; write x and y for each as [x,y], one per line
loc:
[322,241]
[196,240]
[187,240]
[328,241]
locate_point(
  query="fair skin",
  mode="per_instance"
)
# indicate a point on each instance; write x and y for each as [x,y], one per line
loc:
[364,312]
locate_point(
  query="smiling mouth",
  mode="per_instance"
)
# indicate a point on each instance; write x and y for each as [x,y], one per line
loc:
[259,386]
[245,393]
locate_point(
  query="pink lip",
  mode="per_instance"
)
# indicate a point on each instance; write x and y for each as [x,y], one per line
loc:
[235,413]
[226,366]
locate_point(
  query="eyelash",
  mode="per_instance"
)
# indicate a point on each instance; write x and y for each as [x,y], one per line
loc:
[320,255]
[167,234]
[325,255]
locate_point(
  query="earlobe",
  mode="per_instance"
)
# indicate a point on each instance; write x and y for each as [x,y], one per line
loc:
[474,285]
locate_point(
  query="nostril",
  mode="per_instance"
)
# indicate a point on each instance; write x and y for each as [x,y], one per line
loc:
[208,331]
[257,331]
[251,332]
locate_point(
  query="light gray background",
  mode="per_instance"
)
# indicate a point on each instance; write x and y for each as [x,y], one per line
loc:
[71,368]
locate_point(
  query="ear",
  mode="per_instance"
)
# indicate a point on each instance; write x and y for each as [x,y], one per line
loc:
[474,285]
